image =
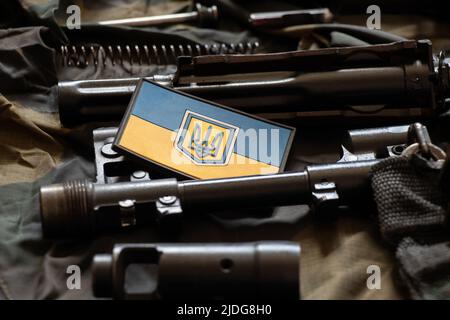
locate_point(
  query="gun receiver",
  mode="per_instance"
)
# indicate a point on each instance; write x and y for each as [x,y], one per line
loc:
[365,79]
[80,208]
[211,271]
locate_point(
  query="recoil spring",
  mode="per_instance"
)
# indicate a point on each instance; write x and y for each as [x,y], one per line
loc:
[85,55]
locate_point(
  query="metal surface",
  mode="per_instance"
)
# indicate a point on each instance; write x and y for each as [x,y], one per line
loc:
[367,80]
[111,166]
[210,271]
[203,16]
[315,92]
[144,54]
[279,19]
[362,140]
[359,144]
[420,143]
[261,21]
[78,208]
[209,16]
[75,208]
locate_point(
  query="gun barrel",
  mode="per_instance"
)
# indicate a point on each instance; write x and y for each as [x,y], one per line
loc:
[71,208]
[272,190]
[319,91]
[399,86]
[95,100]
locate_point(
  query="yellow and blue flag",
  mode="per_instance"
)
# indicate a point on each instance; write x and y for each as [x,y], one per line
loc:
[198,138]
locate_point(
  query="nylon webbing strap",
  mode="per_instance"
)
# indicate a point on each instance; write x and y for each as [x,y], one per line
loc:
[411,215]
[408,198]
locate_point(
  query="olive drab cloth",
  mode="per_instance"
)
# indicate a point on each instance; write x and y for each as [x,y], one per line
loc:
[35,150]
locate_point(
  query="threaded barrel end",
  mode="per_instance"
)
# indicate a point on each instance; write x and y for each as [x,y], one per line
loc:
[66,209]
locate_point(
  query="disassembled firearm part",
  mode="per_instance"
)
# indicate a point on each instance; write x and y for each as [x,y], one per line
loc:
[361,144]
[80,208]
[369,80]
[270,19]
[145,54]
[278,19]
[203,16]
[209,16]
[211,271]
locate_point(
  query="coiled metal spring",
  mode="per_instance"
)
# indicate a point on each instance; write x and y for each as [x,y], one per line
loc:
[85,55]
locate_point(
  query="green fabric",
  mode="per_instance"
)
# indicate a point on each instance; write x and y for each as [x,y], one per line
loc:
[35,150]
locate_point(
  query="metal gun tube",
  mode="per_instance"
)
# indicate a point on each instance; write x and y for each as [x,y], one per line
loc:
[71,208]
[278,19]
[401,86]
[96,100]
[203,16]
[268,269]
[362,140]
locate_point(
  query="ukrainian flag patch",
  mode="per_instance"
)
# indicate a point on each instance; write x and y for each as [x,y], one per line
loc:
[204,140]
[200,139]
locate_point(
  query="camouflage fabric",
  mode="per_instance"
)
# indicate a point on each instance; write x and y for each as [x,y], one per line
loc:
[35,150]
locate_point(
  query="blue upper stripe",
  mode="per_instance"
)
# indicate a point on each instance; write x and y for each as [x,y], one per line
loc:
[166,109]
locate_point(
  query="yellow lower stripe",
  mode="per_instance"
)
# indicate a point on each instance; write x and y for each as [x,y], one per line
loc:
[156,144]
